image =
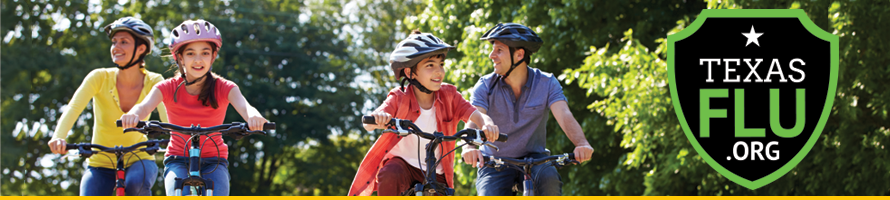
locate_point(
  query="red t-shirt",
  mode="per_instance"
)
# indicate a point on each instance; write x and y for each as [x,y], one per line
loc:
[188,110]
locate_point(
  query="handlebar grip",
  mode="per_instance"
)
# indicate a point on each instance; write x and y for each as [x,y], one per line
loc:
[368,120]
[269,126]
[372,121]
[502,137]
[70,146]
[571,156]
[141,124]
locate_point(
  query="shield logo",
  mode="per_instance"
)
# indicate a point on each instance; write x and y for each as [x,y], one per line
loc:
[753,89]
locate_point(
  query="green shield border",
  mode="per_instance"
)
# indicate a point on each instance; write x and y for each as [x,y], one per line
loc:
[829,99]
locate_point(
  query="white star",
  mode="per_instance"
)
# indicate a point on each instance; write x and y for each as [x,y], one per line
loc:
[752,37]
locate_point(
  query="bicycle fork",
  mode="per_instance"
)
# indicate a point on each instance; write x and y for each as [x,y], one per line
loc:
[194,181]
[528,186]
[429,183]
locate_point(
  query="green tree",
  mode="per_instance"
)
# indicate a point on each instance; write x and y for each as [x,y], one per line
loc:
[568,29]
[289,58]
[611,56]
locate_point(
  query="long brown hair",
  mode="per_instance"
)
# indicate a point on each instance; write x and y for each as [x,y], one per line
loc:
[206,96]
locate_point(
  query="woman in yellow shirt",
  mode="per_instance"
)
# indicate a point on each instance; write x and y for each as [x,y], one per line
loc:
[114,92]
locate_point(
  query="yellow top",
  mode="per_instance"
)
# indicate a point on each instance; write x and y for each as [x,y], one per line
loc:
[101,86]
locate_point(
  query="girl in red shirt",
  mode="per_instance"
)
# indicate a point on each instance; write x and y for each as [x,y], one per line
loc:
[196,96]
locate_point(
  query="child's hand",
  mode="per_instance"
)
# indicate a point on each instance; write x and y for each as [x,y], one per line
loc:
[129,120]
[491,132]
[381,118]
[256,122]
[473,157]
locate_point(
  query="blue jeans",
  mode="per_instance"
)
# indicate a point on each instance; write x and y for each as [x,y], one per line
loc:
[141,175]
[491,182]
[177,167]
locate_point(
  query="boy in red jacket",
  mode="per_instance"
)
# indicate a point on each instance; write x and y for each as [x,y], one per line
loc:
[393,165]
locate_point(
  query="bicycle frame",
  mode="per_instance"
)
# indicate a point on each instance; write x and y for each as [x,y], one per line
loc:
[120,177]
[85,150]
[436,138]
[430,177]
[194,181]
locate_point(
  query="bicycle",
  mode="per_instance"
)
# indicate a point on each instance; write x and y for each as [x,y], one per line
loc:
[85,151]
[525,166]
[430,186]
[195,182]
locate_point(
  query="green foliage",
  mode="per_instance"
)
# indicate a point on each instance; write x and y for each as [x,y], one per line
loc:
[611,57]
[314,67]
[291,59]
[569,29]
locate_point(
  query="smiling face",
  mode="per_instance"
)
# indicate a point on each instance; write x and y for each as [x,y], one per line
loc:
[196,58]
[429,72]
[122,51]
[500,57]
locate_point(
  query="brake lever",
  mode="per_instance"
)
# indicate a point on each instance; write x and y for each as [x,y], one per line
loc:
[72,155]
[247,131]
[234,131]
[150,130]
[234,134]
[79,154]
[65,156]
[134,130]
[558,165]
[151,150]
[401,133]
[489,144]
[154,134]
[256,132]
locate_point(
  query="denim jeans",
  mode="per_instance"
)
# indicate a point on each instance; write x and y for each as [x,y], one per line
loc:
[491,182]
[141,175]
[177,167]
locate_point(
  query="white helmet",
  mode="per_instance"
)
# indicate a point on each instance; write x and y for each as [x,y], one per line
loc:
[415,48]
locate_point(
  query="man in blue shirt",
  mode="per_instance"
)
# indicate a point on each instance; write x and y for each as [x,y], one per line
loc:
[517,98]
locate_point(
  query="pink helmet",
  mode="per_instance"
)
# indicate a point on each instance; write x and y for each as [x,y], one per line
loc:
[194,31]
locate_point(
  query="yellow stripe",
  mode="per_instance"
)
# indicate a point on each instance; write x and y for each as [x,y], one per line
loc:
[505,198]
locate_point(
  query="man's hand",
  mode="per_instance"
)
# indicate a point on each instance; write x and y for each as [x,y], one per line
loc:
[583,153]
[491,132]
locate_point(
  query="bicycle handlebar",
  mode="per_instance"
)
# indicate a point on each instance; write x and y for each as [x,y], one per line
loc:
[85,149]
[266,126]
[235,129]
[564,159]
[413,129]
